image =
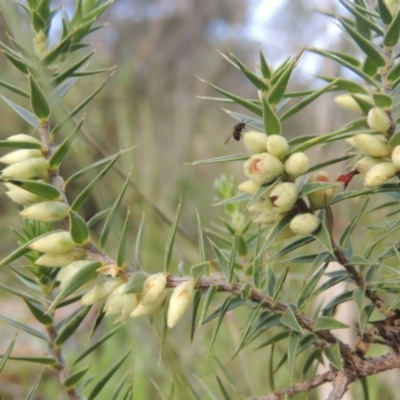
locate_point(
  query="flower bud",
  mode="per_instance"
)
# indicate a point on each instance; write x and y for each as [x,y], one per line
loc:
[365,163]
[372,145]
[396,156]
[379,174]
[100,291]
[22,137]
[179,302]
[249,187]
[115,301]
[60,259]
[296,164]
[68,272]
[256,142]
[347,101]
[277,146]
[263,168]
[153,286]
[46,211]
[130,302]
[392,5]
[378,119]
[21,196]
[151,308]
[264,203]
[58,242]
[20,155]
[268,217]
[284,196]
[317,199]
[304,224]
[26,169]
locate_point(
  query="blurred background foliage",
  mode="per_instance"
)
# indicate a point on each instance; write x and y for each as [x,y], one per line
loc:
[152,103]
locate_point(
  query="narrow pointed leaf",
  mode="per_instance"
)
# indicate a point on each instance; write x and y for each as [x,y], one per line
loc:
[393,31]
[62,150]
[332,161]
[289,319]
[292,349]
[120,386]
[41,189]
[222,159]
[94,346]
[83,276]
[265,69]
[39,360]
[5,356]
[279,88]
[202,250]
[138,245]
[17,61]
[310,285]
[84,195]
[32,391]
[39,103]
[207,301]
[107,376]
[198,270]
[272,125]
[23,327]
[76,376]
[78,229]
[384,12]
[58,93]
[230,378]
[171,238]
[364,317]
[196,304]
[271,378]
[232,258]
[365,45]
[326,323]
[278,285]
[121,257]
[22,250]
[307,100]
[14,89]
[332,353]
[245,103]
[72,326]
[223,390]
[257,263]
[329,283]
[274,233]
[222,260]
[110,219]
[19,145]
[383,100]
[38,312]
[262,190]
[322,235]
[24,114]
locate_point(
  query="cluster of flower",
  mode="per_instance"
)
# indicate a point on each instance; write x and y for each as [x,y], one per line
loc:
[27,164]
[149,301]
[270,162]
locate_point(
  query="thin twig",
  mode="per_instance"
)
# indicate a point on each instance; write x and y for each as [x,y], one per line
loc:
[340,383]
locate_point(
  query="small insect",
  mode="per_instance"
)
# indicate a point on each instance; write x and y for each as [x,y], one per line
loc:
[237,131]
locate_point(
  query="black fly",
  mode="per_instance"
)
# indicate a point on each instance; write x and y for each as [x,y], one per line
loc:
[237,131]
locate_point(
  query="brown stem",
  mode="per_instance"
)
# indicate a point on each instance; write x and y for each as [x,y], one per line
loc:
[340,383]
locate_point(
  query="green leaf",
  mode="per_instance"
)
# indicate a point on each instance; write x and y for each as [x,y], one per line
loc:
[335,279]
[23,327]
[232,258]
[245,103]
[344,84]
[351,226]
[202,250]
[76,376]
[393,31]
[332,161]
[332,353]
[279,87]
[14,89]
[222,260]
[62,150]
[271,379]
[41,189]
[365,45]
[310,285]
[253,122]
[339,299]
[221,314]
[24,114]
[309,188]
[292,246]
[19,145]
[7,353]
[32,391]
[223,390]
[86,274]
[272,125]
[221,159]
[257,262]
[121,257]
[230,378]
[274,233]
[72,326]
[359,295]
[261,191]
[275,339]
[39,103]
[382,100]
[364,317]
[94,346]
[107,376]
[110,219]
[138,245]
[307,100]
[326,323]
[78,229]
[322,235]
[198,270]
[40,360]
[38,312]
[384,12]
[289,319]
[84,195]
[278,285]
[265,69]
[394,72]
[136,283]
[292,348]
[196,304]
[170,240]
[17,61]
[207,301]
